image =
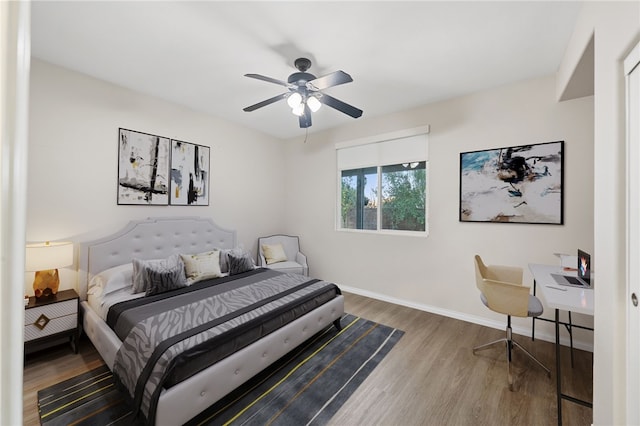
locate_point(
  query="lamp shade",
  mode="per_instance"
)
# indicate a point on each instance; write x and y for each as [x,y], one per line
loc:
[298,110]
[313,103]
[48,255]
[294,100]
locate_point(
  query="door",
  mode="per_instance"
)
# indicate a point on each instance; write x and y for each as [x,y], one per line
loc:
[632,72]
[14,113]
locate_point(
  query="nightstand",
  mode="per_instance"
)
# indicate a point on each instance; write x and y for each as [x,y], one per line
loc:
[49,319]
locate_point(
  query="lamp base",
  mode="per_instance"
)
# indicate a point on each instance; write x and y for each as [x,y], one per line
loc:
[46,283]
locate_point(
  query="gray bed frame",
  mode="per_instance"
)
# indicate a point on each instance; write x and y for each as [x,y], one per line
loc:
[156,238]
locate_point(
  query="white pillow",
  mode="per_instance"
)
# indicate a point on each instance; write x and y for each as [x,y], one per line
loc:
[201,266]
[274,253]
[111,280]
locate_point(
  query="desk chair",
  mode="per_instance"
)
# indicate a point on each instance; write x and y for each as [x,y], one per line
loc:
[501,290]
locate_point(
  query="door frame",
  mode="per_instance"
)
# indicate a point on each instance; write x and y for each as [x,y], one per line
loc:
[632,127]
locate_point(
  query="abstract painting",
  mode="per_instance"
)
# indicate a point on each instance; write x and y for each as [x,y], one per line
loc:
[518,184]
[143,168]
[189,174]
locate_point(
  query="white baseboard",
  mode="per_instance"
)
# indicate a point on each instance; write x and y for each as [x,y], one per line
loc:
[522,331]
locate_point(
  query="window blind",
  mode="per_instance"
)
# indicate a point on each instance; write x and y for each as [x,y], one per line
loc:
[392,151]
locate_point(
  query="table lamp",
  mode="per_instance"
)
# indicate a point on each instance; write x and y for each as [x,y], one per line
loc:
[44,259]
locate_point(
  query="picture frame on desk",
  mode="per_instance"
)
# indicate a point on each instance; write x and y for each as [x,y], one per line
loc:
[516,184]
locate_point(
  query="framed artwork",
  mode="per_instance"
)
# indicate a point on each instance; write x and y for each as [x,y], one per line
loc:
[189,174]
[517,184]
[143,168]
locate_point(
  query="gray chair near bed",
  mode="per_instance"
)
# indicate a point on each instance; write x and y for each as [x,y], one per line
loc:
[292,261]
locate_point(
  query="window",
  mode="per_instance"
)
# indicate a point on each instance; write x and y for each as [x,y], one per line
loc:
[383,185]
[404,193]
[358,210]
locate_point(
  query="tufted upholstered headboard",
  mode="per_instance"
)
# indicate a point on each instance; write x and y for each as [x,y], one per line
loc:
[152,238]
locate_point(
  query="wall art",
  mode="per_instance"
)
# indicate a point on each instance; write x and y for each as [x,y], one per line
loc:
[189,174]
[517,184]
[143,168]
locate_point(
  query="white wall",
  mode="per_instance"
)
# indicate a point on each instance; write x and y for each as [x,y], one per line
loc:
[616,29]
[436,273]
[73,152]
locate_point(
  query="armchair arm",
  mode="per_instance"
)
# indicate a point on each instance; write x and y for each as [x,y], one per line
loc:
[506,298]
[301,258]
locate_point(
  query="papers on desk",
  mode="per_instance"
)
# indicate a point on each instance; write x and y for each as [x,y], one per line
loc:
[567,261]
[556,288]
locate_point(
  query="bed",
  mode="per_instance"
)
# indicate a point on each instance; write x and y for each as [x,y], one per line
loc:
[184,394]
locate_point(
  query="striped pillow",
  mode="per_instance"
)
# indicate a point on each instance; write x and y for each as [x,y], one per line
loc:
[240,263]
[159,275]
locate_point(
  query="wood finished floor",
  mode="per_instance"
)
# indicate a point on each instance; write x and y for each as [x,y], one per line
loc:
[431,377]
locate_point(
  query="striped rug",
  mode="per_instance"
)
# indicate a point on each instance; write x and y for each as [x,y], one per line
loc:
[308,386]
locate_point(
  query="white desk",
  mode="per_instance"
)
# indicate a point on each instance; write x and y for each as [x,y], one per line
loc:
[566,298]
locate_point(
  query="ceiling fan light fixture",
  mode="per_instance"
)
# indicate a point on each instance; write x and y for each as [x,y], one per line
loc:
[313,103]
[294,100]
[304,92]
[298,109]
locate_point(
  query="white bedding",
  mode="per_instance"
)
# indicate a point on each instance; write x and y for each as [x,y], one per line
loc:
[115,285]
[101,304]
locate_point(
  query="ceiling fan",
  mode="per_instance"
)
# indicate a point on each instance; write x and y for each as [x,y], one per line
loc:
[305,92]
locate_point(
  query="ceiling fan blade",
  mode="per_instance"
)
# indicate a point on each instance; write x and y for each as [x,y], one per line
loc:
[268,79]
[266,102]
[329,80]
[340,106]
[305,119]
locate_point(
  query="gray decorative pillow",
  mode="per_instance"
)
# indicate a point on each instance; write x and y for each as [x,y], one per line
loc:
[138,277]
[158,275]
[224,258]
[239,263]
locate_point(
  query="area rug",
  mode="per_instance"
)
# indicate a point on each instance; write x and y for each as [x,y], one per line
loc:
[308,386]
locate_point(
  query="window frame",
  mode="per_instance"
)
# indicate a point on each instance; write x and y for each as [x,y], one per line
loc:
[418,131]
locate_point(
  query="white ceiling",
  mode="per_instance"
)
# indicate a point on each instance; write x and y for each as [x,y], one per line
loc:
[400,54]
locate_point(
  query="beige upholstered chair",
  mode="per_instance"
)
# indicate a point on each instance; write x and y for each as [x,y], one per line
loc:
[292,261]
[501,290]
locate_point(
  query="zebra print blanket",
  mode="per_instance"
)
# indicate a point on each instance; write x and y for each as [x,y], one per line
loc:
[195,320]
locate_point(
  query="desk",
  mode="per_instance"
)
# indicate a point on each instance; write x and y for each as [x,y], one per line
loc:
[572,299]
